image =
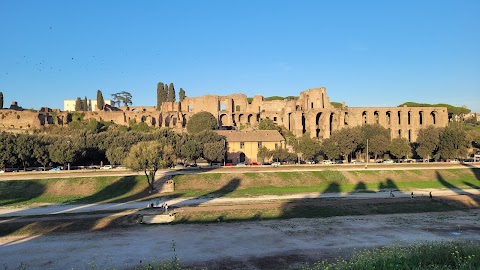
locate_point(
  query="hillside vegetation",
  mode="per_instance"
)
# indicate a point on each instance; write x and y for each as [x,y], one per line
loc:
[451,109]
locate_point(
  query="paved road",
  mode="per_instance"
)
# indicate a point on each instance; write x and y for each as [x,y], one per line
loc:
[289,168]
[84,208]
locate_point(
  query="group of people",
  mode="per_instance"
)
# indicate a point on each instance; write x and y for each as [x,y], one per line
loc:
[164,205]
[412,196]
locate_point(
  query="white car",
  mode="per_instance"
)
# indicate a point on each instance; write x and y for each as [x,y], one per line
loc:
[107,167]
[276,164]
[327,162]
[388,161]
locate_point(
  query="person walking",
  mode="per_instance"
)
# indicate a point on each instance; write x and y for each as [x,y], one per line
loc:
[431,197]
[412,194]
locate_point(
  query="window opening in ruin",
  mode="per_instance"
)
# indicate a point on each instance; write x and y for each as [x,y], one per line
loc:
[389,120]
[331,123]
[345,119]
[274,119]
[242,145]
[434,119]
[399,118]
[190,108]
[408,119]
[420,115]
[399,133]
[303,124]
[237,108]
[312,105]
[364,117]
[409,135]
[223,107]
[317,120]
[377,117]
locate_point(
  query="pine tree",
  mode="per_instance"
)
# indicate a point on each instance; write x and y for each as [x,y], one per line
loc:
[1,100]
[165,93]
[160,100]
[85,104]
[78,104]
[171,93]
[100,100]
[181,94]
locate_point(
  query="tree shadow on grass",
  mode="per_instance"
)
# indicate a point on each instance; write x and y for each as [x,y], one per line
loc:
[361,187]
[388,185]
[333,187]
[459,191]
[120,187]
[17,191]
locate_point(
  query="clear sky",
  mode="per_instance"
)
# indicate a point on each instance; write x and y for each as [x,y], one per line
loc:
[366,53]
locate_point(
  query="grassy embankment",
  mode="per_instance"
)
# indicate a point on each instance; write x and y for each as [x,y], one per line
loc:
[119,189]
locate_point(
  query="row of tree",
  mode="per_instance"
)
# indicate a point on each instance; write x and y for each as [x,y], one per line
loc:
[166,93]
[351,142]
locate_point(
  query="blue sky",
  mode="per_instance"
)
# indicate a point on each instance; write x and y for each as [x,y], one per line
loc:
[366,53]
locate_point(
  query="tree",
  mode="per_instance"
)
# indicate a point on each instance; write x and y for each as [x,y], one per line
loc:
[308,147]
[191,150]
[171,93]
[453,143]
[78,104]
[201,121]
[160,96]
[263,153]
[149,157]
[40,152]
[116,155]
[400,148]
[181,94]
[1,99]
[7,147]
[330,148]
[24,147]
[378,139]
[122,97]
[165,93]
[100,100]
[267,124]
[64,151]
[214,151]
[427,140]
[85,104]
[348,139]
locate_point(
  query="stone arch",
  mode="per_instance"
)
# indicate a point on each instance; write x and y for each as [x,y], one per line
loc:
[399,133]
[399,117]
[184,120]
[409,118]
[318,124]
[376,116]
[303,124]
[223,120]
[167,121]
[420,117]
[258,118]
[249,119]
[409,135]
[173,120]
[433,114]
[345,119]
[331,123]
[364,117]
[388,114]
[241,118]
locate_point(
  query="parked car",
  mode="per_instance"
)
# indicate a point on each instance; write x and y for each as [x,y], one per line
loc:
[241,164]
[2,171]
[388,161]
[356,162]
[311,162]
[254,164]
[228,164]
[328,162]
[107,167]
[57,169]
[276,164]
[339,162]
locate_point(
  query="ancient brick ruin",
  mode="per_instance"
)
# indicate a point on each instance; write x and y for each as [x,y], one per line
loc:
[312,112]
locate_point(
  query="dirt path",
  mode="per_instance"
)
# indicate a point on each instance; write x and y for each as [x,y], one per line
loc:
[270,244]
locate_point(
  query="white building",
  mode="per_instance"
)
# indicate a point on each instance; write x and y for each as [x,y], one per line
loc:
[69,104]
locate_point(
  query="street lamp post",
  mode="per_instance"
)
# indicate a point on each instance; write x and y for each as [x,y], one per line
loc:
[367,157]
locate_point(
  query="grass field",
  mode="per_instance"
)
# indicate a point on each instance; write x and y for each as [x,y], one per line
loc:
[127,188]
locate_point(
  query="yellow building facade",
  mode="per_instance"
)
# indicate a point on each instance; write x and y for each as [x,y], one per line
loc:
[243,146]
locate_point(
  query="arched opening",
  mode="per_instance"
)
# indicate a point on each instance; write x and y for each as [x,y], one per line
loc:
[323,101]
[409,135]
[317,119]
[249,119]
[223,120]
[420,117]
[167,121]
[174,120]
[331,123]
[241,158]
[258,118]
[303,124]
[389,118]
[241,118]
[399,117]
[184,121]
[399,133]
[408,118]
[434,117]
[376,116]
[364,117]
[289,121]
[345,119]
